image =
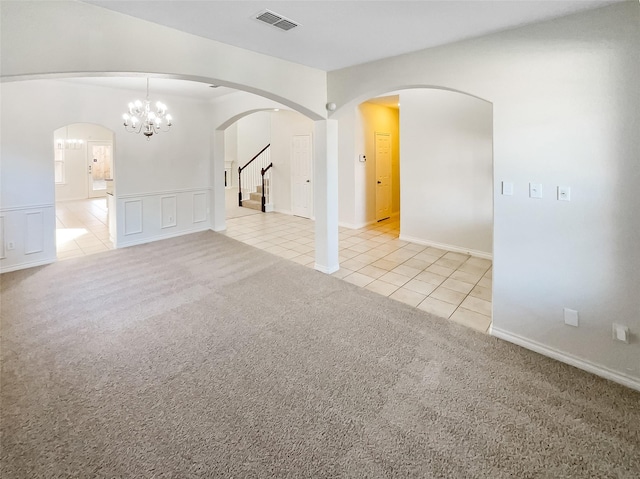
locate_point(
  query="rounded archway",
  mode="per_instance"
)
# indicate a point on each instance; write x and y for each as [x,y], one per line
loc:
[84,176]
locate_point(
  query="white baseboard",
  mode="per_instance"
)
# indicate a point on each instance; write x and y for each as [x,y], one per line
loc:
[563,357]
[284,212]
[32,264]
[324,270]
[448,247]
[355,226]
[161,237]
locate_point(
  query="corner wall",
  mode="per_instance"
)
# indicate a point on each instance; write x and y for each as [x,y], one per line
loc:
[565,102]
[447,171]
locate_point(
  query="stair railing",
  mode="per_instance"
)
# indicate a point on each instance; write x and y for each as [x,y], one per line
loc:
[252,176]
[266,191]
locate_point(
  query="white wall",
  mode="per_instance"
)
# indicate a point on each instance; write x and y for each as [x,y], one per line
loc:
[284,126]
[231,154]
[76,176]
[169,164]
[254,133]
[565,103]
[446,170]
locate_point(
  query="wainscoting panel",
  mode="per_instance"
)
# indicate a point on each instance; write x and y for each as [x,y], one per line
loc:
[199,207]
[164,214]
[132,217]
[2,244]
[27,236]
[34,232]
[168,207]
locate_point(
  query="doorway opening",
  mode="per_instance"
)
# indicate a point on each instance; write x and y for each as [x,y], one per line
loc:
[84,189]
[290,181]
[440,180]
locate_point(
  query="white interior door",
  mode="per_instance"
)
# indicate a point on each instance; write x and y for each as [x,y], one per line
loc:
[301,180]
[99,167]
[383,176]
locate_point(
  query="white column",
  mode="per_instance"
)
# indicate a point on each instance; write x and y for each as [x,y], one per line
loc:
[325,195]
[217,199]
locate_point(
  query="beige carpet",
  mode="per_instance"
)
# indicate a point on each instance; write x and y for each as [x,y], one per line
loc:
[203,357]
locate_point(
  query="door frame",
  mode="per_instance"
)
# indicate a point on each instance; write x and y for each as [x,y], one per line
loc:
[310,180]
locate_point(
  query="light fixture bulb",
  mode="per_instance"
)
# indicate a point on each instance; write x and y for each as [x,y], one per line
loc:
[146,117]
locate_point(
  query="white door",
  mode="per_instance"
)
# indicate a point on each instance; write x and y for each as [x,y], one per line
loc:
[99,167]
[301,169]
[383,176]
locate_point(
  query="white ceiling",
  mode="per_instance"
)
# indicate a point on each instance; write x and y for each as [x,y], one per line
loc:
[337,34]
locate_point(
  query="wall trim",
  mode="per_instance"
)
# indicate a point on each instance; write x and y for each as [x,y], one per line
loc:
[448,247]
[29,264]
[325,270]
[353,226]
[167,192]
[281,211]
[566,358]
[135,242]
[22,208]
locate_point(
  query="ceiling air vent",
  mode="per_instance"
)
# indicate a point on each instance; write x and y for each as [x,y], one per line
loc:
[276,20]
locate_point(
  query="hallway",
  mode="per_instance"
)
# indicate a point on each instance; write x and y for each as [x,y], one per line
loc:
[81,228]
[450,285]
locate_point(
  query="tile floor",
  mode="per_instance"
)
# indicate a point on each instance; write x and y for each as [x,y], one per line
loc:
[450,285]
[81,228]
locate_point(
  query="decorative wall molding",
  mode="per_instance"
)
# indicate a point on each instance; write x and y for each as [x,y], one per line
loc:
[579,363]
[3,253]
[16,267]
[132,217]
[200,208]
[448,247]
[164,193]
[23,208]
[34,232]
[169,211]
[151,239]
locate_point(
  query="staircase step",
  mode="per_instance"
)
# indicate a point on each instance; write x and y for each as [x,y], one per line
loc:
[255,197]
[266,184]
[254,205]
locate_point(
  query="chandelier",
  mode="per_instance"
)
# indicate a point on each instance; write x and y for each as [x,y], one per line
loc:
[141,118]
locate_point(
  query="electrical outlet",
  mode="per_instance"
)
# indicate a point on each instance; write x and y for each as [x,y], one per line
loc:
[10,245]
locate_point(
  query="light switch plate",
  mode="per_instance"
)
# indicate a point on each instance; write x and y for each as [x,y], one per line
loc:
[564,193]
[535,190]
[571,317]
[507,188]
[620,333]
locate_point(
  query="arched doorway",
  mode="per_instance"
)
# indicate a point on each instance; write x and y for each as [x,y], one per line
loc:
[84,173]
[441,199]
